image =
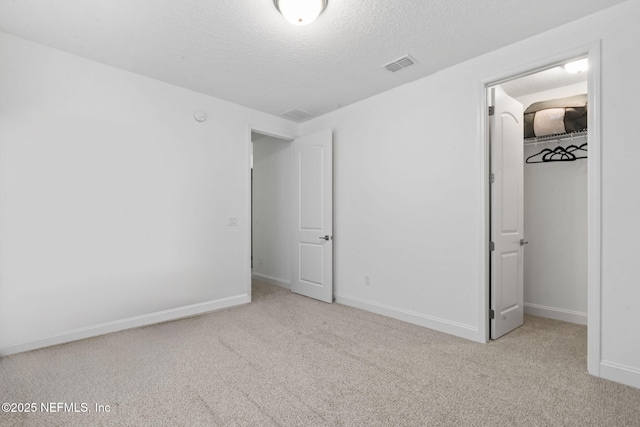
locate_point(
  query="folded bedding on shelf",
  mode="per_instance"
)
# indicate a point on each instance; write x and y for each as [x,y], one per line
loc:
[556,116]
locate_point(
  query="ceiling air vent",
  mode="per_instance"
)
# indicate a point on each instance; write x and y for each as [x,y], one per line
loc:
[296,115]
[400,63]
[393,67]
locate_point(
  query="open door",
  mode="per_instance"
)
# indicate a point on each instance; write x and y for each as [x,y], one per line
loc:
[312,216]
[507,215]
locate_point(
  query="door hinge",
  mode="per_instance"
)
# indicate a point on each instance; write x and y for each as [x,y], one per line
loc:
[492,178]
[492,110]
[492,246]
[492,314]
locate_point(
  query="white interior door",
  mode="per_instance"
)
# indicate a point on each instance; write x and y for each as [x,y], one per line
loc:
[507,215]
[312,216]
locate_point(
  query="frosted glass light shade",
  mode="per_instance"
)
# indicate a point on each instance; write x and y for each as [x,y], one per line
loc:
[301,12]
[577,66]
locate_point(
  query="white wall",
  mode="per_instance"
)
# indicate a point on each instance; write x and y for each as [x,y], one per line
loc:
[114,200]
[272,210]
[555,224]
[409,192]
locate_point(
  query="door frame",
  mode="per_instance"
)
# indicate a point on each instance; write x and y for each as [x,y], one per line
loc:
[249,203]
[594,192]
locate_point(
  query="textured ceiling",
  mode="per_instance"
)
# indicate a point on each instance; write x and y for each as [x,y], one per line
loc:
[245,52]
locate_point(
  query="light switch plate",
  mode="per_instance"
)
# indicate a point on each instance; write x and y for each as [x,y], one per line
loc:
[232,221]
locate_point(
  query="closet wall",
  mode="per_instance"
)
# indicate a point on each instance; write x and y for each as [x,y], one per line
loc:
[555,224]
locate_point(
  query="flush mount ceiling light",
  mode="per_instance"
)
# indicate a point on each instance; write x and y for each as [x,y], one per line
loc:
[577,66]
[301,12]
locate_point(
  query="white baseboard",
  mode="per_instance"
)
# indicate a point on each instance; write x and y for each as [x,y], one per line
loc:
[441,325]
[119,325]
[271,280]
[556,313]
[620,373]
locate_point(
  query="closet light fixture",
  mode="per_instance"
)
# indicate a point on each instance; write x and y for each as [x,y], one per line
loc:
[578,66]
[301,12]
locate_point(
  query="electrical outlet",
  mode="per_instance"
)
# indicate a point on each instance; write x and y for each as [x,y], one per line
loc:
[232,221]
[367,280]
[259,260]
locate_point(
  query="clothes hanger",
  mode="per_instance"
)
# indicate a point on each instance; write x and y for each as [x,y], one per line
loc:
[543,153]
[572,148]
[558,154]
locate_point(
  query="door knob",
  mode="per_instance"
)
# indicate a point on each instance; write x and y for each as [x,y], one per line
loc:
[324,237]
[523,242]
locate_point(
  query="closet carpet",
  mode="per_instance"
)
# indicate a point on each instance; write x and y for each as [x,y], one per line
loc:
[287,360]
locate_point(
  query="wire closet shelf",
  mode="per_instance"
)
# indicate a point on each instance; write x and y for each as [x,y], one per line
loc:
[557,137]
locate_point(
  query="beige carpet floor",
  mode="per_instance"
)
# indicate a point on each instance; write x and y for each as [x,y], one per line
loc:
[287,360]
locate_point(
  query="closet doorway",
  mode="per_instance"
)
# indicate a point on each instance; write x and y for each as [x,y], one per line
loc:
[539,150]
[552,267]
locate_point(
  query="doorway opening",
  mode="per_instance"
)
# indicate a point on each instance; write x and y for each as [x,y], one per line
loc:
[271,209]
[291,210]
[555,251]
